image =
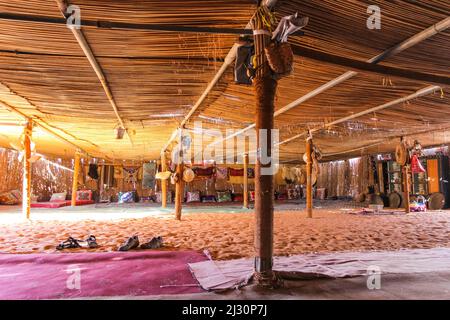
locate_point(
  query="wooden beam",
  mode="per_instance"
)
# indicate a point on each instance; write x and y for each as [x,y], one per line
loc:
[406,187]
[179,191]
[26,177]
[309,198]
[87,50]
[111,25]
[265,89]
[163,182]
[365,67]
[245,191]
[76,173]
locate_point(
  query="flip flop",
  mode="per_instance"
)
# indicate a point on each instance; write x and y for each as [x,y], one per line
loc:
[70,243]
[92,242]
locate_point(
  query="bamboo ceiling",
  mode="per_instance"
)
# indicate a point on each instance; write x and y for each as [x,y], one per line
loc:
[156,77]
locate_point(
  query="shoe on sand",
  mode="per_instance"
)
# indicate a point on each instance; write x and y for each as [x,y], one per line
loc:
[131,243]
[92,242]
[155,243]
[70,243]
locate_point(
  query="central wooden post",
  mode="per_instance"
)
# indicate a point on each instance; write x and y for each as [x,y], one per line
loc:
[309,198]
[179,190]
[265,89]
[76,173]
[163,182]
[245,181]
[26,179]
[407,186]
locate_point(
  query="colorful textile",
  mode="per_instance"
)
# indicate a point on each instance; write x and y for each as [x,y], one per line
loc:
[236,172]
[84,195]
[203,172]
[10,198]
[210,198]
[58,196]
[130,175]
[292,194]
[193,196]
[127,197]
[148,178]
[93,171]
[222,173]
[250,173]
[224,196]
[237,197]
[159,197]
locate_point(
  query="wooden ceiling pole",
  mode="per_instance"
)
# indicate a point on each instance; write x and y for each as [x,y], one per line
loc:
[406,44]
[26,176]
[419,93]
[81,39]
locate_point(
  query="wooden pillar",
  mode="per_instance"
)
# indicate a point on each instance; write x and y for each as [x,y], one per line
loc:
[245,181]
[76,173]
[179,191]
[406,188]
[26,178]
[265,89]
[163,182]
[309,198]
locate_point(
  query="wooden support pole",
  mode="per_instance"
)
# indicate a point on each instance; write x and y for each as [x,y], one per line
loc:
[245,181]
[179,191]
[163,182]
[265,89]
[26,179]
[309,198]
[407,186]
[76,173]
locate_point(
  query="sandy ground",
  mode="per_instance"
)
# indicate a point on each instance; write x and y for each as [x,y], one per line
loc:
[226,233]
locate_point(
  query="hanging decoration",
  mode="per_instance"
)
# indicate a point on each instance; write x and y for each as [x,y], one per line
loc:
[148,178]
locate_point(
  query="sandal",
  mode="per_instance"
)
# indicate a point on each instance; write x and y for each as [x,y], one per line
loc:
[92,242]
[70,243]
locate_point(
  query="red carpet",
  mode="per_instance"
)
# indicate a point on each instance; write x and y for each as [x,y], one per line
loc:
[48,276]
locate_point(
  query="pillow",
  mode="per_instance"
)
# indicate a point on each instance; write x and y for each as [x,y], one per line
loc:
[237,197]
[84,195]
[193,196]
[209,199]
[58,196]
[252,195]
[292,194]
[127,197]
[223,196]
[250,173]
[8,198]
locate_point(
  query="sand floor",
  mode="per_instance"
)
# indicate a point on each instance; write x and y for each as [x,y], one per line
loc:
[226,233]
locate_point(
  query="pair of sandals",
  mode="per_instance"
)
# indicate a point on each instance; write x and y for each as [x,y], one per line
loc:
[71,243]
[133,243]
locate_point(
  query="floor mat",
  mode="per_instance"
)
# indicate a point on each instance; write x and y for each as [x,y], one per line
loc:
[222,275]
[74,275]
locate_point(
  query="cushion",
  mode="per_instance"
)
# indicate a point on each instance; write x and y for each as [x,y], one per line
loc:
[58,196]
[84,195]
[8,198]
[250,173]
[209,198]
[252,195]
[193,196]
[292,194]
[127,197]
[237,197]
[223,196]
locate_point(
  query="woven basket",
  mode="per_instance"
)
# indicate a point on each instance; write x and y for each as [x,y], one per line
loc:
[280,58]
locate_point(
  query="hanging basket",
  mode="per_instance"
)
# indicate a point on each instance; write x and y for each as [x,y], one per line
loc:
[280,58]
